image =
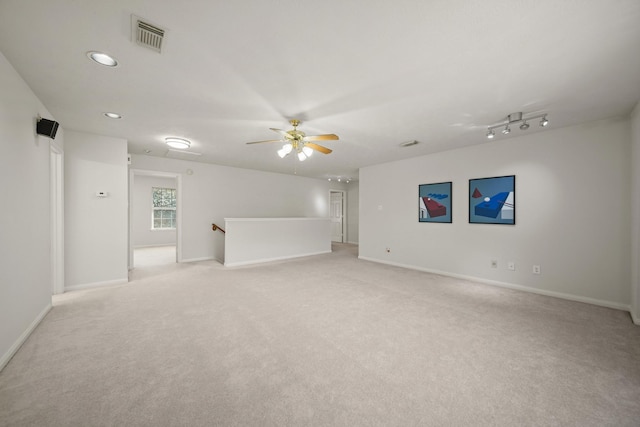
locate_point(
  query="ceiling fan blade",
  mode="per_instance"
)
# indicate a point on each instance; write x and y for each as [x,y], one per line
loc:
[317,147]
[326,137]
[269,140]
[281,132]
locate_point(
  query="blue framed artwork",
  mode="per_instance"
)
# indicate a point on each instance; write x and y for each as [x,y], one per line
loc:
[434,202]
[492,200]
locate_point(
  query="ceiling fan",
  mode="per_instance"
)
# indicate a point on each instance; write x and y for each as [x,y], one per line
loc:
[298,141]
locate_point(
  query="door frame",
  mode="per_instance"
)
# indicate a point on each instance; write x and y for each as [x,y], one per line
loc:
[56,217]
[178,177]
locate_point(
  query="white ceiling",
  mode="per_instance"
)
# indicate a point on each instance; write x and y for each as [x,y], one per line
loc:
[377,73]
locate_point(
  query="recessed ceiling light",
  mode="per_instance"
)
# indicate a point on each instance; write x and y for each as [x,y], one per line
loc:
[178,143]
[102,59]
[113,115]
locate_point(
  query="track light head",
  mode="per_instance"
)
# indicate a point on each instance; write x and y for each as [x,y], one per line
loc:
[490,134]
[506,130]
[524,126]
[544,122]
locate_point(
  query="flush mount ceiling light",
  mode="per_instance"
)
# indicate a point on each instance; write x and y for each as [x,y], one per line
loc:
[102,59]
[113,115]
[179,143]
[515,118]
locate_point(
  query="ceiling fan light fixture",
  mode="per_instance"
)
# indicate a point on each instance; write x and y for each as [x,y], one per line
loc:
[308,151]
[297,141]
[179,143]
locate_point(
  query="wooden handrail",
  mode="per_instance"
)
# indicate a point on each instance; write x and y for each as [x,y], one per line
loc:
[215,227]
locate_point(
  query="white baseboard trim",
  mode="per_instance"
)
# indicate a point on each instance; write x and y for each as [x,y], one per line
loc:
[570,297]
[159,245]
[208,258]
[23,337]
[636,319]
[263,260]
[96,285]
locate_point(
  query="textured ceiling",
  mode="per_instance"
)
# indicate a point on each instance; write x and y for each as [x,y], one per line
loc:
[377,73]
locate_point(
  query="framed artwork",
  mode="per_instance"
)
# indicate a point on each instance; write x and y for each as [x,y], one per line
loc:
[434,202]
[492,200]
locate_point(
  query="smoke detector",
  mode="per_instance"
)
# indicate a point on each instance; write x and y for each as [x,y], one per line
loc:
[146,34]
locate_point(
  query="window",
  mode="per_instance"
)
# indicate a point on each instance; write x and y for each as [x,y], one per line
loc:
[164,208]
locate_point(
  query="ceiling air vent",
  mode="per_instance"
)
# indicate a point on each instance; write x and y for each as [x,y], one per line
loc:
[182,155]
[147,35]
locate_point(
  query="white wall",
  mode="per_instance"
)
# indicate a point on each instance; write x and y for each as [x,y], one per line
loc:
[96,229]
[25,270]
[141,212]
[211,193]
[256,240]
[353,211]
[572,213]
[635,200]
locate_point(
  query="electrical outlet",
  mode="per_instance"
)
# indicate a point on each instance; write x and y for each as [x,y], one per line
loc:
[536,269]
[511,266]
[494,263]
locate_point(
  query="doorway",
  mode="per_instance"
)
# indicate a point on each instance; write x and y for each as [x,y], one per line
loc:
[154,218]
[337,208]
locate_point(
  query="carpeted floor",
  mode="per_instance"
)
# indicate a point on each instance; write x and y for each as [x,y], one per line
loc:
[328,340]
[153,256]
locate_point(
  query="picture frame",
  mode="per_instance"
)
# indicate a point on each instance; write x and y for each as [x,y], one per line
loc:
[492,200]
[435,202]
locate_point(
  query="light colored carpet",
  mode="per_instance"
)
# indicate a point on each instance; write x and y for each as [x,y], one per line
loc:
[328,340]
[154,256]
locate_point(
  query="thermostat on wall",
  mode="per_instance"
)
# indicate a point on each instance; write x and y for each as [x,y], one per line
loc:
[102,194]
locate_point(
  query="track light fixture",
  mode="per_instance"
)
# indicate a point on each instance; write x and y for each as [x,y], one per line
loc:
[514,118]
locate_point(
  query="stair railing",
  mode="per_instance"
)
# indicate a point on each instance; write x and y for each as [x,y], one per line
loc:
[215,227]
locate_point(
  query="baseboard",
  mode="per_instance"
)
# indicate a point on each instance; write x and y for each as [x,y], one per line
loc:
[634,318]
[208,258]
[570,297]
[23,337]
[95,285]
[282,258]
